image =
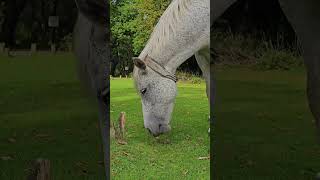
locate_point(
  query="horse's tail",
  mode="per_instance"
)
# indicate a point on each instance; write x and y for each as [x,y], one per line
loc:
[92,50]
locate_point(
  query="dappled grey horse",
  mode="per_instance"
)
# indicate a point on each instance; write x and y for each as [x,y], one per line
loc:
[183,30]
[91,46]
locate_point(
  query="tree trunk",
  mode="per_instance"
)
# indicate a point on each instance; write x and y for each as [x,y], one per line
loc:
[13,11]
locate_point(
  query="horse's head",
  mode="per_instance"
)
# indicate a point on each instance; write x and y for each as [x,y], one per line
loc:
[157,95]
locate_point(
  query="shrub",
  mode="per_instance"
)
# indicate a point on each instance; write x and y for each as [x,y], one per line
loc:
[278,60]
[66,43]
[189,77]
[259,52]
[196,80]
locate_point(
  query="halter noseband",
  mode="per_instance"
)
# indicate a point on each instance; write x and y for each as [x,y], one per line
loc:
[158,68]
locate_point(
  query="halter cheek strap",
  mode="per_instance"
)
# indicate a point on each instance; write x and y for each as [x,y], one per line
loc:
[158,68]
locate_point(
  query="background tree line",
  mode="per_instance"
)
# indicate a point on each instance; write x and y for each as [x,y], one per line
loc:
[261,22]
[132,22]
[23,22]
[260,19]
[256,33]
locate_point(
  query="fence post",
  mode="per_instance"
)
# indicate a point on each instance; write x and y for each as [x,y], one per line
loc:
[33,48]
[2,45]
[53,48]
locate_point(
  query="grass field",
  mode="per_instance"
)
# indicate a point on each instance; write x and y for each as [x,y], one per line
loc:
[44,114]
[264,129]
[173,156]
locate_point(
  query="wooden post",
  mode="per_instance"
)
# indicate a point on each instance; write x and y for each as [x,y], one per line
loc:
[2,45]
[40,170]
[33,48]
[53,48]
[126,70]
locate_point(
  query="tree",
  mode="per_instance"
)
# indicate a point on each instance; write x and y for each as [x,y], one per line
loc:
[132,22]
[13,9]
[261,19]
[27,21]
[149,12]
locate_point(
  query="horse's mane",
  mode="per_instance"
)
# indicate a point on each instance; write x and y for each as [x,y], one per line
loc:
[167,24]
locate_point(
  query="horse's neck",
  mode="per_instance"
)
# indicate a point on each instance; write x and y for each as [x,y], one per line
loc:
[182,30]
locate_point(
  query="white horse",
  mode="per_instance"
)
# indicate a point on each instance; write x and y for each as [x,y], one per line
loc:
[182,31]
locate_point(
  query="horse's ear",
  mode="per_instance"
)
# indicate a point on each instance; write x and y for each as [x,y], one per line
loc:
[139,63]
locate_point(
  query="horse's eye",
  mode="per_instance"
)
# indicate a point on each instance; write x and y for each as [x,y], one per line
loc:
[143,91]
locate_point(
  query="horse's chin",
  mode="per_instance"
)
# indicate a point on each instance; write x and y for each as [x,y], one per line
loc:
[157,129]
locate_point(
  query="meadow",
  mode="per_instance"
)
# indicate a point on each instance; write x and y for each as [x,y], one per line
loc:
[172,156]
[263,129]
[263,126]
[45,114]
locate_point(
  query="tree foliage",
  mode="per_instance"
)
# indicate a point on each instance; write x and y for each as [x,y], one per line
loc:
[132,22]
[26,21]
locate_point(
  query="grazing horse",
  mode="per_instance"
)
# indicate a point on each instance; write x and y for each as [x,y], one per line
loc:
[183,30]
[91,46]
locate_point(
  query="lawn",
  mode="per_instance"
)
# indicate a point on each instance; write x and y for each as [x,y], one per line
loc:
[172,156]
[45,114]
[263,129]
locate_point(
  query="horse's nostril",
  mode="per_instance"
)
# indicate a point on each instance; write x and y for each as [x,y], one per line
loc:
[160,126]
[149,131]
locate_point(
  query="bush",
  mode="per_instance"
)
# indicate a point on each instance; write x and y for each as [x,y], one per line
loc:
[66,43]
[262,54]
[189,77]
[235,49]
[278,60]
[196,80]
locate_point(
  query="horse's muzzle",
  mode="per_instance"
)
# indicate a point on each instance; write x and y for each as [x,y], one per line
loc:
[159,129]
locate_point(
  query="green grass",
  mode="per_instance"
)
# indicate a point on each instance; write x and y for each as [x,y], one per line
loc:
[45,114]
[264,129]
[173,156]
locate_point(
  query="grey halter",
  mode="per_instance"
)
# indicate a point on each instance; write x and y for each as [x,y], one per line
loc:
[158,68]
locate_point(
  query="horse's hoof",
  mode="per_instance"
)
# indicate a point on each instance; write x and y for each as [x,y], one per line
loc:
[317,176]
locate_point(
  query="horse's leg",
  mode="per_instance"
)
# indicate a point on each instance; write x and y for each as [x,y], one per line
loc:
[304,16]
[203,60]
[92,51]
[218,7]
